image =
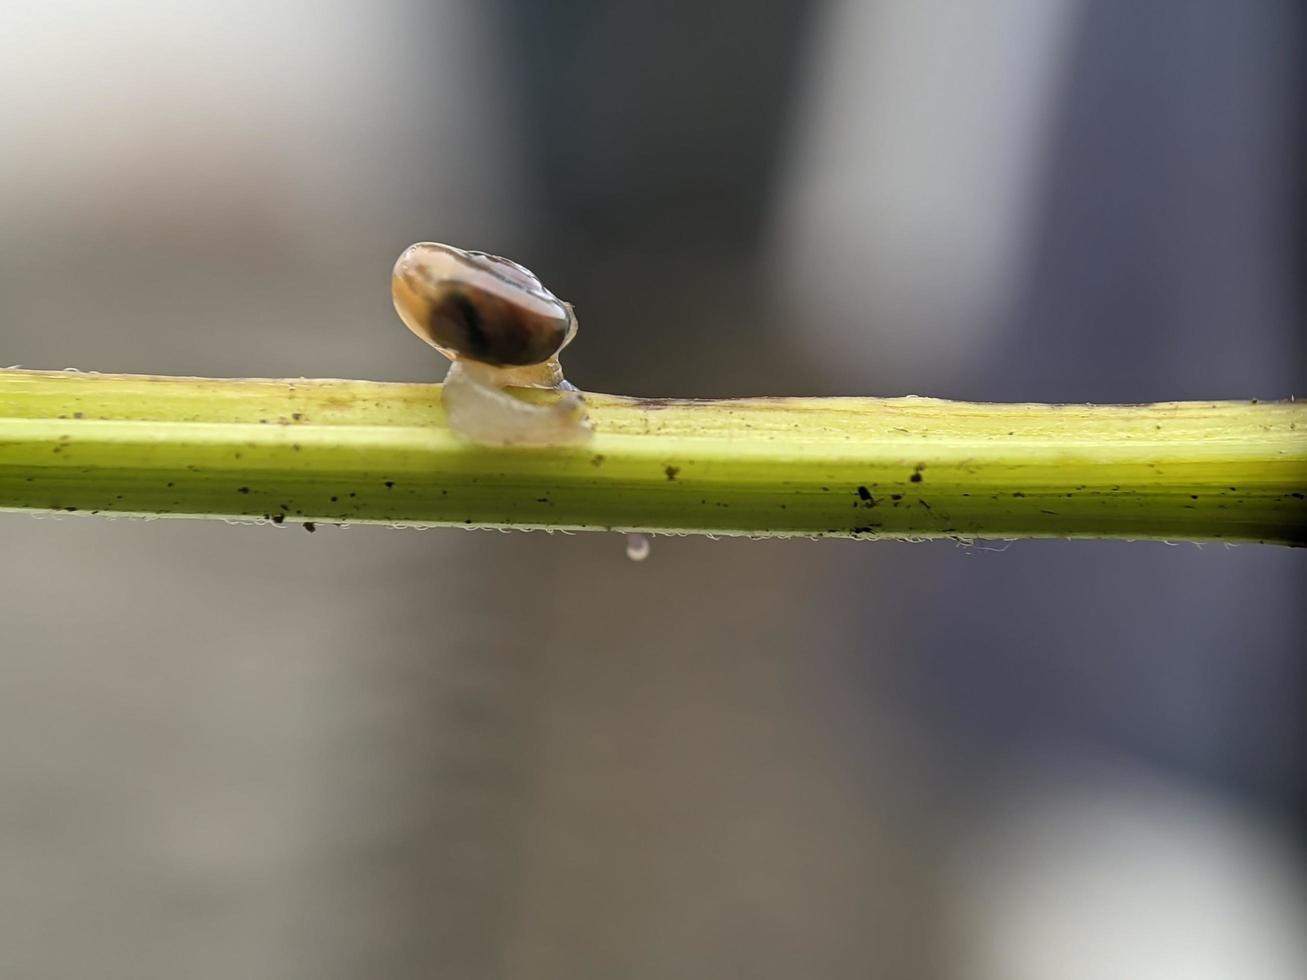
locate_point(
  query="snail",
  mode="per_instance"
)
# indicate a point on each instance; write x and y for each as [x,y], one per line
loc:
[501,328]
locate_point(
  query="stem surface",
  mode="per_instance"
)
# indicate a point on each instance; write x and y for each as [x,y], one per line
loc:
[357,451]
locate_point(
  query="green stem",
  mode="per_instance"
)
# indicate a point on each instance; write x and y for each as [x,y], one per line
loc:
[351,451]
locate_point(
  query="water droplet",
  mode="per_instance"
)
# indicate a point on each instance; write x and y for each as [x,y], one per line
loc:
[637,547]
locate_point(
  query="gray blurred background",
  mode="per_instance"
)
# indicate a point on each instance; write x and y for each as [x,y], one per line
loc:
[249,751]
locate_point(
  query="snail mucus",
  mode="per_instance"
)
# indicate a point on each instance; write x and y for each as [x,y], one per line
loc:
[501,328]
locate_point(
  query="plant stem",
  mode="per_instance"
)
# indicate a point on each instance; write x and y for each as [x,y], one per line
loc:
[358,451]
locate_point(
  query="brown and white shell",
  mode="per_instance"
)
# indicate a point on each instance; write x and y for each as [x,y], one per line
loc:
[479,307]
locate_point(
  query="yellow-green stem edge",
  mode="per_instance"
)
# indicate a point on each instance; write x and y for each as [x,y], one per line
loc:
[324,451]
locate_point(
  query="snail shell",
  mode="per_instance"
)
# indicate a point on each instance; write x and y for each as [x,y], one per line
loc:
[478,306]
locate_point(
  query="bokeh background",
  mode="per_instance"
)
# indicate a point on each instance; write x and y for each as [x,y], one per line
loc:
[249,751]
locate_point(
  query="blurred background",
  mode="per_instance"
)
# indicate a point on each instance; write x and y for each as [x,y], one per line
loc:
[249,751]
